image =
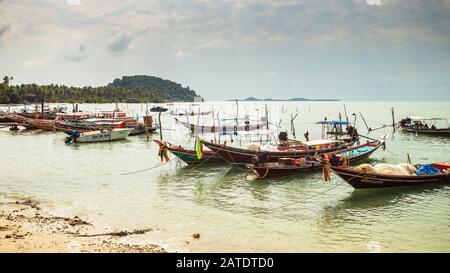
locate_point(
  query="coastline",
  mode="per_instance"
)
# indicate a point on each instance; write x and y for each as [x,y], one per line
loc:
[25,227]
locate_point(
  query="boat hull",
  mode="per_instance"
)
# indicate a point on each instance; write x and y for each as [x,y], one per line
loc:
[267,171]
[103,136]
[190,156]
[239,156]
[277,170]
[434,132]
[360,180]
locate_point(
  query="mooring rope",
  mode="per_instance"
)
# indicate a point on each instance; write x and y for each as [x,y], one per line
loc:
[147,169]
[294,203]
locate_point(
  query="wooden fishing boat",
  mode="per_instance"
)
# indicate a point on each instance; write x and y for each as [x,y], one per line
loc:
[241,156]
[37,112]
[191,113]
[290,166]
[158,109]
[99,136]
[426,126]
[362,180]
[190,156]
[21,121]
[42,124]
[222,129]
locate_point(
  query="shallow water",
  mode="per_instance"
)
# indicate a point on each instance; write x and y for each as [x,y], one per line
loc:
[230,210]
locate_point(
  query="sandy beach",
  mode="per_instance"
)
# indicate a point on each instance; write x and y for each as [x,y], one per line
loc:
[25,227]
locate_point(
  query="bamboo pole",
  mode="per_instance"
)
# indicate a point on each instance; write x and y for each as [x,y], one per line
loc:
[160,126]
[393,118]
[345,111]
[368,129]
[42,107]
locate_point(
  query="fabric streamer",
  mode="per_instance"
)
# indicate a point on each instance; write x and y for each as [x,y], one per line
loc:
[163,153]
[199,149]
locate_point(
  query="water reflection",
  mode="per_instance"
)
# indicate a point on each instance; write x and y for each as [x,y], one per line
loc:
[363,206]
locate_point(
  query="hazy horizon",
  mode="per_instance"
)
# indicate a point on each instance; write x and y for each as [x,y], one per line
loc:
[350,50]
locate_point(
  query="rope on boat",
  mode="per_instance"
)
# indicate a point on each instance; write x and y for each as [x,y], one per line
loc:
[147,169]
[261,177]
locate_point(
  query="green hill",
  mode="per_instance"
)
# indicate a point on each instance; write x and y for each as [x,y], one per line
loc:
[168,90]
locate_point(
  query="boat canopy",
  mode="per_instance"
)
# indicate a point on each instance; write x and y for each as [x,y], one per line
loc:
[333,122]
[417,118]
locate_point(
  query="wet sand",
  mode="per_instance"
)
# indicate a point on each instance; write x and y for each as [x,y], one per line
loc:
[25,227]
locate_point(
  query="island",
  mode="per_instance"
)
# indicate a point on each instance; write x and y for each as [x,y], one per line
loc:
[130,89]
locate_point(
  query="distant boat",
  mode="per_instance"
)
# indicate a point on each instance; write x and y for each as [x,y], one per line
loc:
[99,135]
[191,113]
[222,129]
[426,126]
[158,109]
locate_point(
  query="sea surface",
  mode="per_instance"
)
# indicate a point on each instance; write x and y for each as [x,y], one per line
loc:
[119,185]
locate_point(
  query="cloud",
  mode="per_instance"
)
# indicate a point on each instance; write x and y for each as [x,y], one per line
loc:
[36,63]
[374,2]
[73,2]
[3,31]
[79,55]
[271,74]
[121,44]
[181,54]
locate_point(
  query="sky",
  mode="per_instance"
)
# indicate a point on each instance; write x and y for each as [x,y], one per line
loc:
[226,49]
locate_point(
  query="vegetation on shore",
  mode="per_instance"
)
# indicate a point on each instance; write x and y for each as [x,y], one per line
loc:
[293,99]
[131,89]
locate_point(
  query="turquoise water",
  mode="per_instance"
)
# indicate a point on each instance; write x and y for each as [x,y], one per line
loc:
[231,211]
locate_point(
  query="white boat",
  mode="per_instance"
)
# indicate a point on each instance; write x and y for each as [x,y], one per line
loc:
[99,135]
[223,129]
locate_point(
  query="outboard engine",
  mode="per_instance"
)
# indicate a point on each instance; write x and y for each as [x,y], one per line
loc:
[283,136]
[74,135]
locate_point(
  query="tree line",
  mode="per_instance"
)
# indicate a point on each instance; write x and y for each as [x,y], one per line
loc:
[157,91]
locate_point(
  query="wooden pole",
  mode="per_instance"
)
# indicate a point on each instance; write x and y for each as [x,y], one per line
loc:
[160,126]
[267,118]
[237,112]
[42,106]
[393,118]
[409,158]
[111,126]
[345,112]
[368,129]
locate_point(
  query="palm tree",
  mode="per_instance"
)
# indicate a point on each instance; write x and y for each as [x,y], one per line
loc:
[6,80]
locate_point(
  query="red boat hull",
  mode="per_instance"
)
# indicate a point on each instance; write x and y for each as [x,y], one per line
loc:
[277,170]
[360,180]
[239,156]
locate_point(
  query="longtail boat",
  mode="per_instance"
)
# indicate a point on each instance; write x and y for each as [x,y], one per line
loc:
[190,156]
[223,129]
[21,121]
[419,125]
[42,124]
[290,166]
[191,113]
[363,180]
[99,136]
[241,156]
